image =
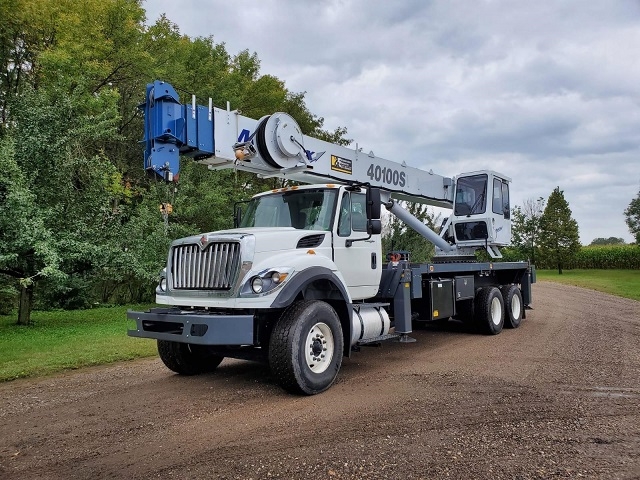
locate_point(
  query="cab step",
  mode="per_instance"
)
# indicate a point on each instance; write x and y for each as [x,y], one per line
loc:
[378,339]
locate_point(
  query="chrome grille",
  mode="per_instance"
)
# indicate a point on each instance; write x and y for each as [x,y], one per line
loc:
[214,268]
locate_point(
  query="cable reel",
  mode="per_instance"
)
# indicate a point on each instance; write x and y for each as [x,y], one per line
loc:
[279,141]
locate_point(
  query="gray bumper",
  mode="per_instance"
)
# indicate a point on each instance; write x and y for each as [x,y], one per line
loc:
[191,327]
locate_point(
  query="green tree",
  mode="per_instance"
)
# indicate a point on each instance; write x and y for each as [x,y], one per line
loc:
[525,229]
[58,205]
[95,41]
[632,214]
[559,239]
[27,251]
[135,249]
[72,76]
[607,241]
[25,31]
[100,46]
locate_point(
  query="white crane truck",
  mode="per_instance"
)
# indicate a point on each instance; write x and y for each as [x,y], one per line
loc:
[301,281]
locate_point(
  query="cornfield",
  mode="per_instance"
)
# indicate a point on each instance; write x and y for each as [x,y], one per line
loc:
[607,257]
[619,257]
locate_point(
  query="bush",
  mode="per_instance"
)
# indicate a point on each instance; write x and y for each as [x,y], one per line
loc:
[512,254]
[74,293]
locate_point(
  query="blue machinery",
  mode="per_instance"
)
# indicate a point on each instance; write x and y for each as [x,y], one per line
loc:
[172,129]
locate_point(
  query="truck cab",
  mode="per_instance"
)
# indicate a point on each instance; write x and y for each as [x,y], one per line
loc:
[280,234]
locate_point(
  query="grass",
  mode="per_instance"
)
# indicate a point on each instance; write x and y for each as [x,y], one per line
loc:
[62,340]
[623,283]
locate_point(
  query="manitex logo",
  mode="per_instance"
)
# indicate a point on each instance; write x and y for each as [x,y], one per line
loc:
[314,157]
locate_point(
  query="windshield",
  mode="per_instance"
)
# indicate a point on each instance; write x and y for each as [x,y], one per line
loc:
[309,209]
[471,195]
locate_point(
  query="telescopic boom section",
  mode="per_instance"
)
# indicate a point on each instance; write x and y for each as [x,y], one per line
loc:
[272,146]
[419,227]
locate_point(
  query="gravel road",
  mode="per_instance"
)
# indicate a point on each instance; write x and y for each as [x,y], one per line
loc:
[558,397]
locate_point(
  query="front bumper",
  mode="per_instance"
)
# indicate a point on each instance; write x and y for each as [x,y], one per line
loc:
[204,328]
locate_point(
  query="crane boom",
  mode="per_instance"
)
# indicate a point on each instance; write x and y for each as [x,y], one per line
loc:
[272,146]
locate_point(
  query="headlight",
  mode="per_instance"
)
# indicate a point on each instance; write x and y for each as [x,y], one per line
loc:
[266,281]
[278,277]
[256,284]
[162,284]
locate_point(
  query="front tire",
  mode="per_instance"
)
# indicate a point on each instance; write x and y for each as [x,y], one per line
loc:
[187,359]
[513,306]
[305,350]
[489,310]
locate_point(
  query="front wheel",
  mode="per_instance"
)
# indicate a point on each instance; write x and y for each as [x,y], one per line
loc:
[305,350]
[187,359]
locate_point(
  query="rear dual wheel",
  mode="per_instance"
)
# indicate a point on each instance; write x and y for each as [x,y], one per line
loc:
[497,308]
[489,310]
[513,306]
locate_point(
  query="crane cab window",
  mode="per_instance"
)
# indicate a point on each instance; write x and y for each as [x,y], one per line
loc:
[506,208]
[353,214]
[501,198]
[471,195]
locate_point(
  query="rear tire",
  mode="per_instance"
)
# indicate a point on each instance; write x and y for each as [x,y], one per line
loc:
[513,306]
[187,359]
[489,310]
[305,350]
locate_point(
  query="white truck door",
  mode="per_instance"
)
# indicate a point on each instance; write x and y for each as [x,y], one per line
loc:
[359,263]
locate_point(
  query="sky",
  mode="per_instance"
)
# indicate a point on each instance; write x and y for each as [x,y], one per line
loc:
[547,92]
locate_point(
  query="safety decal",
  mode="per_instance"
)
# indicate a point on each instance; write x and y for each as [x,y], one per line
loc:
[342,165]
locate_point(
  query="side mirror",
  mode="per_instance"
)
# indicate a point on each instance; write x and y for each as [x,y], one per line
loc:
[374,226]
[373,203]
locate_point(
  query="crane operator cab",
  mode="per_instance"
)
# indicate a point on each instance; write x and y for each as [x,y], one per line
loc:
[481,211]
